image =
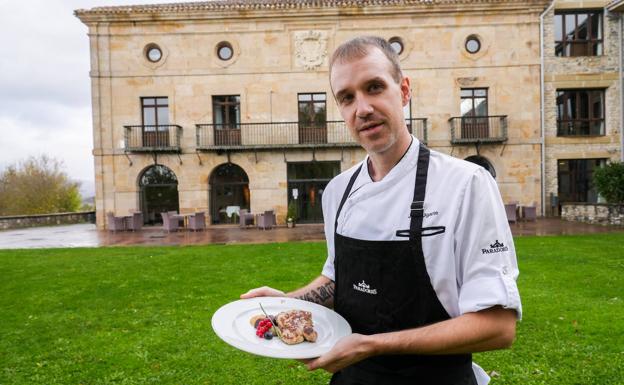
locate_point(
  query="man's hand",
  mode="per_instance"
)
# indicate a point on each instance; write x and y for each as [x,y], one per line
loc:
[263,291]
[347,351]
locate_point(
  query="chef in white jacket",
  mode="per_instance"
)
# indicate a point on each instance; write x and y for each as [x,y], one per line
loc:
[420,259]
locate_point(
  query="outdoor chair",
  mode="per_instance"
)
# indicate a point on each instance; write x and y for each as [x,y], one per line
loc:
[246,218]
[529,213]
[266,220]
[510,210]
[169,223]
[115,223]
[134,222]
[197,221]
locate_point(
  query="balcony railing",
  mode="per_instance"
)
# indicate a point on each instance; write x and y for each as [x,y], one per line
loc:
[478,129]
[153,138]
[245,136]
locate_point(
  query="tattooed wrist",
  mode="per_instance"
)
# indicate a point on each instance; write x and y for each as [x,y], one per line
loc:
[323,295]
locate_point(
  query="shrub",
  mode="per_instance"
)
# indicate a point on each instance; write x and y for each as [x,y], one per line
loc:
[292,211]
[609,182]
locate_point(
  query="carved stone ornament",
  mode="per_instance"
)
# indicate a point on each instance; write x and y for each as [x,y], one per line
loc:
[310,48]
[467,81]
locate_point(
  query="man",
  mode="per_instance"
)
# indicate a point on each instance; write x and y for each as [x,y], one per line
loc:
[420,260]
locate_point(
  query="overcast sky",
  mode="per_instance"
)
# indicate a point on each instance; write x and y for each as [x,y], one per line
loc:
[45,95]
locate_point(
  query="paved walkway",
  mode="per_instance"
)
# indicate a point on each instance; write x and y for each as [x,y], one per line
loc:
[86,235]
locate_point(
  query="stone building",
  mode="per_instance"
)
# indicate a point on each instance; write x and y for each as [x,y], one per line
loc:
[582,97]
[225,105]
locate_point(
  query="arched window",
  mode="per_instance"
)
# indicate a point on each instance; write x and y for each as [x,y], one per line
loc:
[483,162]
[158,192]
[229,193]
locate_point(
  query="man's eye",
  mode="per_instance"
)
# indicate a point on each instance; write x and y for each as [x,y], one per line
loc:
[375,87]
[346,99]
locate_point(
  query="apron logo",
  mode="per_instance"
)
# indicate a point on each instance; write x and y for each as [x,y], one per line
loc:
[364,288]
[496,247]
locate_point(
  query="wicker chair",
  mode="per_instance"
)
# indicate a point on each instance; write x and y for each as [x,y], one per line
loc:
[169,223]
[510,210]
[529,213]
[115,223]
[266,220]
[197,221]
[246,218]
[134,222]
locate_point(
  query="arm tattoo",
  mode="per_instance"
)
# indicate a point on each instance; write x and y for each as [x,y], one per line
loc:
[323,295]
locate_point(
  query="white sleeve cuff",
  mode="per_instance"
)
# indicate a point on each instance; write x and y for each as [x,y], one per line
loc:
[484,293]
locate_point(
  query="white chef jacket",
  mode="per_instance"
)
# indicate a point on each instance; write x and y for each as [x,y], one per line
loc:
[472,265]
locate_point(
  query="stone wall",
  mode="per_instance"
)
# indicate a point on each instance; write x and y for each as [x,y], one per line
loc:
[20,221]
[601,213]
[600,72]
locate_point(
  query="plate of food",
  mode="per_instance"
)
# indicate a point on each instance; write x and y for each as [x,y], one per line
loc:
[279,327]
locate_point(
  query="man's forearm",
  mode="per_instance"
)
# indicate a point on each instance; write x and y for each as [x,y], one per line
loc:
[320,291]
[472,332]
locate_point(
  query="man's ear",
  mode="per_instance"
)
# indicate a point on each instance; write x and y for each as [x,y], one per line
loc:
[406,91]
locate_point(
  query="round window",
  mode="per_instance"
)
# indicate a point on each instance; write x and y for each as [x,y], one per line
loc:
[225,51]
[153,53]
[397,44]
[473,45]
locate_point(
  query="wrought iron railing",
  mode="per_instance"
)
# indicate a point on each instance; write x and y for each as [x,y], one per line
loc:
[478,129]
[284,135]
[163,138]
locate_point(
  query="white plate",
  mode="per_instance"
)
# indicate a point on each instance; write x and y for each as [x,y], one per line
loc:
[231,323]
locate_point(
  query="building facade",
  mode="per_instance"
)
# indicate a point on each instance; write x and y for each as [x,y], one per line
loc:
[582,98]
[223,106]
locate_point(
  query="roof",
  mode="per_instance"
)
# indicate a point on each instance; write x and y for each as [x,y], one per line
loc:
[616,6]
[242,5]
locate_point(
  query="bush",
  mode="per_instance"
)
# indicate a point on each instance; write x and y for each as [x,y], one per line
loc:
[609,182]
[37,185]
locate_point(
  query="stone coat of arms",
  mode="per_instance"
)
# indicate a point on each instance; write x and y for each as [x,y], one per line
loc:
[310,49]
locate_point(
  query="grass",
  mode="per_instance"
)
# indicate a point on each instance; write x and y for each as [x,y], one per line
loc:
[141,315]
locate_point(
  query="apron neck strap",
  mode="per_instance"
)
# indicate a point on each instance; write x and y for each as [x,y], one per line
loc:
[346,195]
[417,208]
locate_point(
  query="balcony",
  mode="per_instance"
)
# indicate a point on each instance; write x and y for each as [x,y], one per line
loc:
[153,138]
[283,135]
[478,129]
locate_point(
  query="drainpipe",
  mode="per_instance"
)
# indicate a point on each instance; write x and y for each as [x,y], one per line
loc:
[543,119]
[620,24]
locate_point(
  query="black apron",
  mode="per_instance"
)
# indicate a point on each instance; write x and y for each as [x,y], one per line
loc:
[383,286]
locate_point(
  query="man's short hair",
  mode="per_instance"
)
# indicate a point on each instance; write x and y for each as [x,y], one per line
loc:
[359,47]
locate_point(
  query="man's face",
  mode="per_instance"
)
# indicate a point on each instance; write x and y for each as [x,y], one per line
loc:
[370,100]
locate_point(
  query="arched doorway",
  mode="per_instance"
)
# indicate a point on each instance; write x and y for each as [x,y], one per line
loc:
[229,192]
[483,162]
[159,192]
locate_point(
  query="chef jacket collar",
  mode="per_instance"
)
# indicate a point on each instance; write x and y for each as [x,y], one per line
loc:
[406,165]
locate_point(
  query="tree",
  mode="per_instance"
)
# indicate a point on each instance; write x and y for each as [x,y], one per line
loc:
[37,185]
[609,182]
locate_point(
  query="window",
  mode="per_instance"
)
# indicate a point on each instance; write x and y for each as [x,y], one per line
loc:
[306,184]
[226,118]
[575,179]
[474,113]
[312,117]
[578,33]
[397,44]
[226,111]
[155,117]
[225,51]
[153,53]
[473,44]
[580,112]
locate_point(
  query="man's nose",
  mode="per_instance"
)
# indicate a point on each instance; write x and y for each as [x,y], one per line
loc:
[363,108]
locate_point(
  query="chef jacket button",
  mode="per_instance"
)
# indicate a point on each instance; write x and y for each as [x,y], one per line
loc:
[505,270]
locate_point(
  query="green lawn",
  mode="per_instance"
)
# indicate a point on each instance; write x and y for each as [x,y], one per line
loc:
[141,315]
